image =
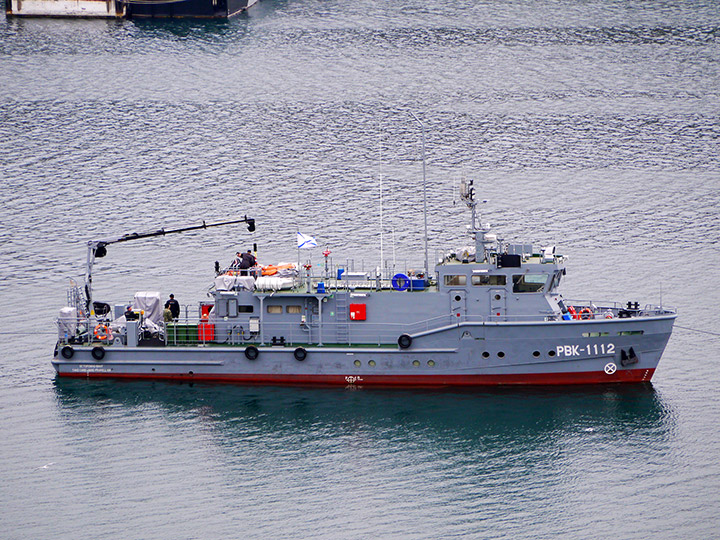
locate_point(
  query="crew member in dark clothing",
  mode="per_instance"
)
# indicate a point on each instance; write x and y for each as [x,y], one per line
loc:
[173,306]
[130,315]
[247,261]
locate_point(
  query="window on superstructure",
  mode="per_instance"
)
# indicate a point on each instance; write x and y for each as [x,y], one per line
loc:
[456,280]
[528,283]
[486,280]
[293,309]
[245,309]
[555,282]
[274,309]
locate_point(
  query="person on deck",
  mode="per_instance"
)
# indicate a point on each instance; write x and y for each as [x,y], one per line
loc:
[173,306]
[247,261]
[237,261]
[130,315]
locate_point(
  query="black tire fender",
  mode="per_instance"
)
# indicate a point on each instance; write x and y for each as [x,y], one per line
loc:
[67,352]
[98,353]
[252,352]
[404,341]
[300,354]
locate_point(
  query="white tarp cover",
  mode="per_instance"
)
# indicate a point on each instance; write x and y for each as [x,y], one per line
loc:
[150,303]
[273,283]
[226,282]
[286,270]
[67,322]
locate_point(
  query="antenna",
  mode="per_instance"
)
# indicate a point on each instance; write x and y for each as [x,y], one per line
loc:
[382,258]
[394,259]
[422,126]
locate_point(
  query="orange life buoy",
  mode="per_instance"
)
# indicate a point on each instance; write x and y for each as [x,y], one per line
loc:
[586,313]
[103,332]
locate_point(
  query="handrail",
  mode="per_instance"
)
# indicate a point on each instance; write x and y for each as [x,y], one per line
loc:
[194,329]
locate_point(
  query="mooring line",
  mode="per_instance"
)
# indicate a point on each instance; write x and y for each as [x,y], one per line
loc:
[696,330]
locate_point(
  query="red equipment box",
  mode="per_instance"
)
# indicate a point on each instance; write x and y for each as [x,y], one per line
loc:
[357,312]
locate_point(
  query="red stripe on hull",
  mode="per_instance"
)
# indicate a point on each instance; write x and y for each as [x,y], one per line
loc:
[588,377]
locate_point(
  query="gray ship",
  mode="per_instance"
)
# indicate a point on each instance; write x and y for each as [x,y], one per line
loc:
[491,314]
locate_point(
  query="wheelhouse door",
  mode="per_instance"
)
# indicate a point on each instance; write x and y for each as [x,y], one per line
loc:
[458,304]
[498,303]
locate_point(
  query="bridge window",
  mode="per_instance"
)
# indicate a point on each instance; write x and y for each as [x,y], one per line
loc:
[456,281]
[555,282]
[525,283]
[486,280]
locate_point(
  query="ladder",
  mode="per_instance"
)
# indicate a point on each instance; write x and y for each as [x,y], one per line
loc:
[76,299]
[341,317]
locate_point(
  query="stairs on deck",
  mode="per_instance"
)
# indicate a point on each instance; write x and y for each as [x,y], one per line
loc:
[341,317]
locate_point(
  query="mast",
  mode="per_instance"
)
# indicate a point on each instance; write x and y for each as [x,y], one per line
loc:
[382,259]
[422,126]
[479,233]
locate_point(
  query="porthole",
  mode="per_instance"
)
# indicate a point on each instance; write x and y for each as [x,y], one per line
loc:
[486,354]
[357,363]
[536,353]
[501,354]
[431,363]
[416,363]
[498,297]
[551,353]
[371,363]
[458,298]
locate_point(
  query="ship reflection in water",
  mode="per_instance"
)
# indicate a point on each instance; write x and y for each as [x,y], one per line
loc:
[339,463]
[488,418]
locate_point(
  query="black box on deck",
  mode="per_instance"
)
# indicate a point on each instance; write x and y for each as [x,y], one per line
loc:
[509,261]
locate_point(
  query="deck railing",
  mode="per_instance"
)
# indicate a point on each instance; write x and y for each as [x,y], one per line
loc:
[196,330]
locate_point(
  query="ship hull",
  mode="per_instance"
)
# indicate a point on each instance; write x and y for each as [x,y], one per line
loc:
[415,381]
[480,354]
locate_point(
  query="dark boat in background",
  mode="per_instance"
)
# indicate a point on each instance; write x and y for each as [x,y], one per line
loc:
[211,9]
[201,9]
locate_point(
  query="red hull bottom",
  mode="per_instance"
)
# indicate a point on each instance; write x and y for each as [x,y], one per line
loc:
[588,377]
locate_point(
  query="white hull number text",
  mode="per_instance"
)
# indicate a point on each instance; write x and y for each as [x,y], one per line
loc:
[587,350]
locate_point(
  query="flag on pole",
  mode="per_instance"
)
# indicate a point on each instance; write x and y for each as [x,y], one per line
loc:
[305,241]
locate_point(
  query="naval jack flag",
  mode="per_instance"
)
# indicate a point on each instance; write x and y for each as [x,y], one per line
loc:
[305,242]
